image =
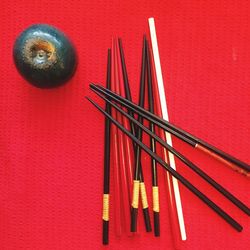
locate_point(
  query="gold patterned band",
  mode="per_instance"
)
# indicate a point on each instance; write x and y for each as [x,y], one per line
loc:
[143,195]
[135,199]
[156,204]
[105,210]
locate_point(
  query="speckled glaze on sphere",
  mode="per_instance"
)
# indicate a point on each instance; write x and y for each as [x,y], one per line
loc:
[44,56]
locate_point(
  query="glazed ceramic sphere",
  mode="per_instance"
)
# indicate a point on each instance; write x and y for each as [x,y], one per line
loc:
[44,56]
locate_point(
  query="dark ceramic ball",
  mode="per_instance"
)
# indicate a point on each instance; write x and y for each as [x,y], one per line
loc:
[44,56]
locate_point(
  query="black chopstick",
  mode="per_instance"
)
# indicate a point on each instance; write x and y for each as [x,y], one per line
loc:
[106,180]
[195,168]
[183,180]
[133,131]
[180,133]
[143,193]
[126,85]
[155,188]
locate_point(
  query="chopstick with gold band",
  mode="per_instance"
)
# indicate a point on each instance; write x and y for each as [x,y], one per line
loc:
[155,189]
[138,173]
[138,187]
[143,193]
[176,131]
[106,181]
[182,179]
[191,165]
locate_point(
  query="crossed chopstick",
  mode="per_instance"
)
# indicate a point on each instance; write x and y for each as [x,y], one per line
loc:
[123,109]
[99,89]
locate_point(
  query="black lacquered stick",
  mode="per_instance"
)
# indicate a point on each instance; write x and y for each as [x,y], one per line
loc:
[195,168]
[155,188]
[141,104]
[135,108]
[126,84]
[178,132]
[143,193]
[106,181]
[133,131]
[183,180]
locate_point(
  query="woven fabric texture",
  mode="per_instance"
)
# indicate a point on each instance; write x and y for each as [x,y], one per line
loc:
[51,143]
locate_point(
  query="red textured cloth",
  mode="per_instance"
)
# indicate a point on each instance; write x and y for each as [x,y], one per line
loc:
[51,144]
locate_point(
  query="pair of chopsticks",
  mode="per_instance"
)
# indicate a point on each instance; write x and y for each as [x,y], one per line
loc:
[183,180]
[138,177]
[138,180]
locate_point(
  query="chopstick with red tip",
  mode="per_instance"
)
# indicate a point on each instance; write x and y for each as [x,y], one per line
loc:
[174,130]
[122,165]
[106,178]
[222,157]
[115,154]
[174,173]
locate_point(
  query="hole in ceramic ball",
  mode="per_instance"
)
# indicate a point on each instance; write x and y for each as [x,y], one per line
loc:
[44,56]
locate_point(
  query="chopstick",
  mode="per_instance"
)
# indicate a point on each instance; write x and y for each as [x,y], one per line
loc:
[106,180]
[155,188]
[133,131]
[183,180]
[191,165]
[143,193]
[178,132]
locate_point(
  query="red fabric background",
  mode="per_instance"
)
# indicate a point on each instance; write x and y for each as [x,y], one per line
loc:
[51,144]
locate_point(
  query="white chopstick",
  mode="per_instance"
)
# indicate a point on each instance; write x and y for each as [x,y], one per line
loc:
[166,117]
